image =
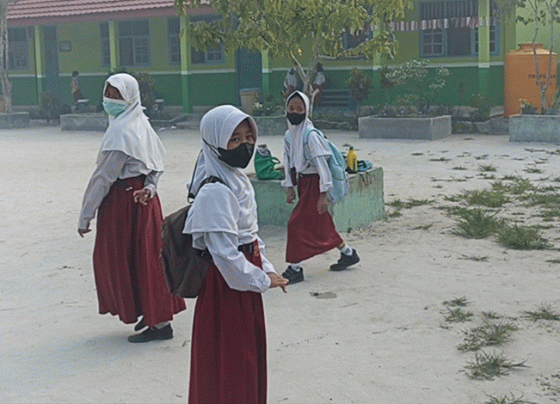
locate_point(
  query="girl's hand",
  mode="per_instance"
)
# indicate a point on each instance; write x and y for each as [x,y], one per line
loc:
[141,196]
[291,195]
[81,232]
[277,281]
[322,203]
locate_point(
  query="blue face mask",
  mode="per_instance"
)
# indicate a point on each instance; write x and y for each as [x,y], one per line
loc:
[113,107]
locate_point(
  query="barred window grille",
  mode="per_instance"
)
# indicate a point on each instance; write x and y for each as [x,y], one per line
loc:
[453,37]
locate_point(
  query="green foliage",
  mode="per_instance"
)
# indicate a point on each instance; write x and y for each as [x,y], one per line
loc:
[476,224]
[481,104]
[488,198]
[511,399]
[488,334]
[421,88]
[268,108]
[280,27]
[487,366]
[544,312]
[522,238]
[50,106]
[359,85]
[148,93]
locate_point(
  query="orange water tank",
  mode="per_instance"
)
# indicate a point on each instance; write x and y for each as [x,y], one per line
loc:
[520,79]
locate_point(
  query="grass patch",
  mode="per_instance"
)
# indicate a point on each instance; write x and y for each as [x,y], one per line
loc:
[554,261]
[457,302]
[488,334]
[474,258]
[533,170]
[521,238]
[459,168]
[457,315]
[489,198]
[481,157]
[487,168]
[511,399]
[544,312]
[476,224]
[487,366]
[411,203]
[417,154]
[442,159]
[490,315]
[426,227]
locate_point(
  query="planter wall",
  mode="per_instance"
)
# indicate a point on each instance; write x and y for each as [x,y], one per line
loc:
[405,128]
[534,128]
[271,125]
[14,120]
[89,122]
[363,204]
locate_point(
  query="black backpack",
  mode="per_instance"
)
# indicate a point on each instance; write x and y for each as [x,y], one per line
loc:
[184,267]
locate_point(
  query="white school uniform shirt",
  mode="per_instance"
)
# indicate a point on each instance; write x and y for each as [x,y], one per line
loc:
[129,148]
[224,216]
[309,158]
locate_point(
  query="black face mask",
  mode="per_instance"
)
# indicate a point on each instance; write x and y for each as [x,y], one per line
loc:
[238,157]
[295,119]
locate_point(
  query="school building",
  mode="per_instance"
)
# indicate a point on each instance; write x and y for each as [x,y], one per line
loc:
[49,39]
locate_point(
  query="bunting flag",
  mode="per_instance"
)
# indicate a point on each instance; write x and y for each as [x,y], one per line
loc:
[442,23]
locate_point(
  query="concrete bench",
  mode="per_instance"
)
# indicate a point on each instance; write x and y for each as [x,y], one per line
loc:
[363,205]
[86,121]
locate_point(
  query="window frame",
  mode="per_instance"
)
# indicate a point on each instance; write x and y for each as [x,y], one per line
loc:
[20,48]
[218,50]
[441,8]
[172,35]
[135,38]
[105,44]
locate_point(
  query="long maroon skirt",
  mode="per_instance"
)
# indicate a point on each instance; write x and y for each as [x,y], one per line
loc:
[126,259]
[228,351]
[309,233]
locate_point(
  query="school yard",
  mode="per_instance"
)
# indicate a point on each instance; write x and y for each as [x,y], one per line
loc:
[386,332]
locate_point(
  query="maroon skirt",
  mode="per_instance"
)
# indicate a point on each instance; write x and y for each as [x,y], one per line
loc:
[126,259]
[228,350]
[309,233]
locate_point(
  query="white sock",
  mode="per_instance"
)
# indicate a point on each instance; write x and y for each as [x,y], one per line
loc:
[346,250]
[296,267]
[161,325]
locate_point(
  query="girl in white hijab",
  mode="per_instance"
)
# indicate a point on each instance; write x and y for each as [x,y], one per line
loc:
[311,230]
[228,359]
[122,190]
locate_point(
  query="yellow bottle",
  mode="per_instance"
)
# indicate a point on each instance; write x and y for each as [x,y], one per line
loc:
[352,161]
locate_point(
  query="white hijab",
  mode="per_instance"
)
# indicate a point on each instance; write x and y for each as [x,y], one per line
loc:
[216,128]
[131,132]
[296,132]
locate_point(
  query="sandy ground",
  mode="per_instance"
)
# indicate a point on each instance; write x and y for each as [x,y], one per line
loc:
[380,336]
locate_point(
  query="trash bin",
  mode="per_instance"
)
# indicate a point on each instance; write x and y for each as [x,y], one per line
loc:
[249,96]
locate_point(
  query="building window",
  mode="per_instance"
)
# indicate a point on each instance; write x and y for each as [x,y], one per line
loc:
[18,50]
[174,43]
[351,40]
[105,44]
[214,55]
[452,28]
[134,43]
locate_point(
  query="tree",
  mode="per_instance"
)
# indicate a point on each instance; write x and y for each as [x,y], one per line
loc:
[281,26]
[4,55]
[541,13]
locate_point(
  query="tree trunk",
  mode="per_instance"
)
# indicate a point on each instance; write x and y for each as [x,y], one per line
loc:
[4,56]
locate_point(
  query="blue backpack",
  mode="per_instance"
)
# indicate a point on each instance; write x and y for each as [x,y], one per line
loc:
[337,167]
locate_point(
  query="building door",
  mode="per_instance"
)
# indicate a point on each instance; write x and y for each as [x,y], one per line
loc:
[249,69]
[51,60]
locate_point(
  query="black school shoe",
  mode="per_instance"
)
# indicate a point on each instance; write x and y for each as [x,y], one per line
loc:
[292,275]
[152,334]
[141,324]
[345,261]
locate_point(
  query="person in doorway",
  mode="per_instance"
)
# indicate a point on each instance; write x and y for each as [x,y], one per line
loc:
[311,230]
[122,190]
[75,87]
[318,84]
[228,349]
[290,82]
